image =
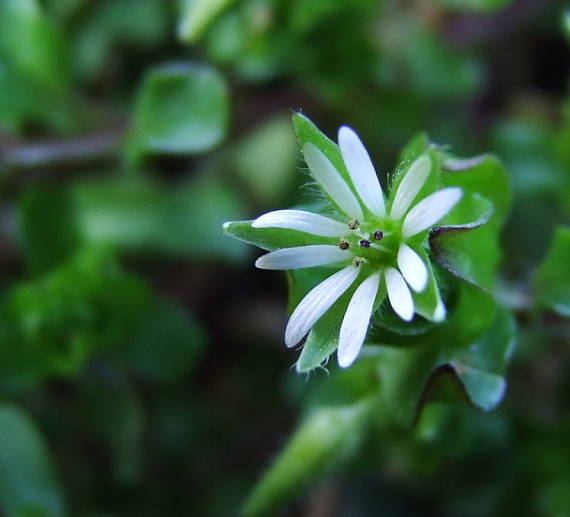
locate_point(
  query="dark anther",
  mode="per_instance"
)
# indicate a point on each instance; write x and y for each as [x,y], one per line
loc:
[343,245]
[364,243]
[378,235]
[353,224]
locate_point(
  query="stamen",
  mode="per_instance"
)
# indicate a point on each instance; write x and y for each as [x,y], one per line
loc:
[358,261]
[353,224]
[343,244]
[378,235]
[365,243]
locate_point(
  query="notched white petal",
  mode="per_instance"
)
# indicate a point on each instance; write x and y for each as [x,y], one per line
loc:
[410,185]
[412,268]
[399,294]
[302,221]
[361,170]
[430,210]
[331,181]
[317,302]
[302,257]
[356,319]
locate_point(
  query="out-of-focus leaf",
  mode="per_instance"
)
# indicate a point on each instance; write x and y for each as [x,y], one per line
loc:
[28,483]
[266,160]
[109,408]
[34,70]
[132,214]
[196,17]
[48,232]
[181,108]
[61,318]
[108,26]
[327,437]
[32,45]
[475,5]
[436,69]
[167,346]
[552,278]
[566,23]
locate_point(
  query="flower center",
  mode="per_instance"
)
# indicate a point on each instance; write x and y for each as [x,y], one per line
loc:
[377,241]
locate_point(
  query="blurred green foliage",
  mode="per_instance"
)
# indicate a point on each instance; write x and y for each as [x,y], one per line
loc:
[141,357]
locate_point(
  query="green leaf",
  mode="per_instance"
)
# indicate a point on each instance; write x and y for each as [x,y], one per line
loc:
[181,108]
[328,436]
[197,16]
[412,376]
[28,483]
[552,278]
[458,247]
[485,175]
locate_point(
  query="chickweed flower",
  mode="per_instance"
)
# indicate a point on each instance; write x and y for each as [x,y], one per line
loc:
[377,243]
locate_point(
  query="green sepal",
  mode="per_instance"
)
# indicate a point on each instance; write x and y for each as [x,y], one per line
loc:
[426,302]
[307,132]
[552,278]
[272,238]
[322,339]
[418,145]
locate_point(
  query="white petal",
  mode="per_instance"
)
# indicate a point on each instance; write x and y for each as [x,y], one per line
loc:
[355,322]
[440,312]
[303,256]
[412,268]
[399,294]
[331,181]
[317,302]
[430,210]
[361,170]
[410,185]
[302,221]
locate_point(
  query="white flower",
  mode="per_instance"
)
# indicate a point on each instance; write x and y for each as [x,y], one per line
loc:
[372,243]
